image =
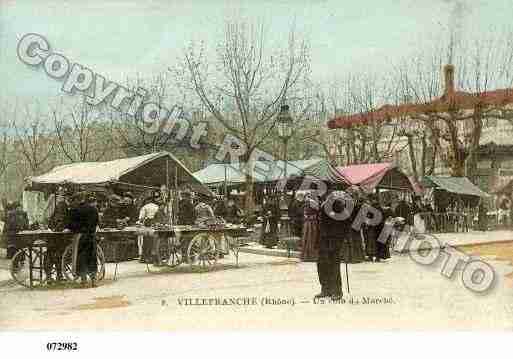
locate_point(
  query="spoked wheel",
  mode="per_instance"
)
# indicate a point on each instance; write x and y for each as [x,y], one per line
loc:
[175,254]
[67,263]
[202,251]
[169,253]
[20,268]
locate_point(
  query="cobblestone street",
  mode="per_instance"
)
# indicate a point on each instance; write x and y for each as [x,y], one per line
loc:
[399,294]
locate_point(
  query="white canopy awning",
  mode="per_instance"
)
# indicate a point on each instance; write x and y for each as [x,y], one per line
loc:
[151,170]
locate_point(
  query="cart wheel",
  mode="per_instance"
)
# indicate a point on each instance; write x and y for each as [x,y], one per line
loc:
[20,268]
[169,253]
[175,253]
[67,263]
[202,251]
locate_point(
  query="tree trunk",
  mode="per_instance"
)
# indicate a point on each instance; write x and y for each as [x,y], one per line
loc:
[413,160]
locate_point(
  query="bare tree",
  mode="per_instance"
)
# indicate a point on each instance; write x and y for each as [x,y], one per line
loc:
[455,120]
[82,132]
[135,136]
[34,139]
[368,142]
[246,82]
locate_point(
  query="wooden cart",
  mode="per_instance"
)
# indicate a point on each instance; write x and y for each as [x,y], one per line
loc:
[32,266]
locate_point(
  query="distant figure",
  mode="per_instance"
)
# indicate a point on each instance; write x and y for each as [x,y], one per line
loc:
[482,216]
[203,211]
[16,220]
[311,230]
[371,232]
[352,248]
[112,212]
[271,217]
[220,208]
[296,214]
[233,213]
[404,210]
[128,209]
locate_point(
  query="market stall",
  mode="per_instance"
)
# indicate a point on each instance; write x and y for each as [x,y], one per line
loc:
[198,244]
[373,176]
[455,200]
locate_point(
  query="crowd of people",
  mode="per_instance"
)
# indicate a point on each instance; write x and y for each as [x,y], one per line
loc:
[329,241]
[322,239]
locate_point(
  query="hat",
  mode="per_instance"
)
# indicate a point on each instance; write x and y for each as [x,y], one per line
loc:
[129,194]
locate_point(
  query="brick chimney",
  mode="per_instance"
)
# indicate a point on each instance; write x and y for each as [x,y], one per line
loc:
[449,80]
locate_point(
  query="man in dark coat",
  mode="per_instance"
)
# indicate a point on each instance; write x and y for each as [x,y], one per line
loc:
[84,220]
[186,209]
[334,230]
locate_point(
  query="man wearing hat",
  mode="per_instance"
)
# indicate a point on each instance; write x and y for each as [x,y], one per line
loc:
[335,228]
[84,220]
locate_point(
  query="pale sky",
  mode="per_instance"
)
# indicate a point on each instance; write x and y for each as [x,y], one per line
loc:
[122,38]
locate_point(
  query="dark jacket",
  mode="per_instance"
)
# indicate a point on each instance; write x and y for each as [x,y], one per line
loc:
[186,215]
[331,227]
[84,219]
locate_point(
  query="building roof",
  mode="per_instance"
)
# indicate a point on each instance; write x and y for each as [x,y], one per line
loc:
[451,99]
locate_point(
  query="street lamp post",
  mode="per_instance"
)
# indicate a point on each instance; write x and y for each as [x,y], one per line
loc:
[284,131]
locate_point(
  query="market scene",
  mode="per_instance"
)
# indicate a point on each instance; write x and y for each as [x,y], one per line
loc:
[257,195]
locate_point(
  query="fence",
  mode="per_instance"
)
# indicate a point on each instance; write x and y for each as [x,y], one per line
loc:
[447,222]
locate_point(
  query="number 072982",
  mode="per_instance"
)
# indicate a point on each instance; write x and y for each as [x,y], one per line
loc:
[58,346]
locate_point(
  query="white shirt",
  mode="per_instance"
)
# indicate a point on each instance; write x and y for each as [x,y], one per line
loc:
[148,211]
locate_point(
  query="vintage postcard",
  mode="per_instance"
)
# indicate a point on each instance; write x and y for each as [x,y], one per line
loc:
[221,165]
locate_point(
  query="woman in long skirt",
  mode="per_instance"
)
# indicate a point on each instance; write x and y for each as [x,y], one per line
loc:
[311,234]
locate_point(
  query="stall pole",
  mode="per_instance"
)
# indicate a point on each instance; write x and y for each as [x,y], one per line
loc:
[168,199]
[175,207]
[225,185]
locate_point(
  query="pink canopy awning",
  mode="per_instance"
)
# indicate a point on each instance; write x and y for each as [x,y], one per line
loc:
[372,175]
